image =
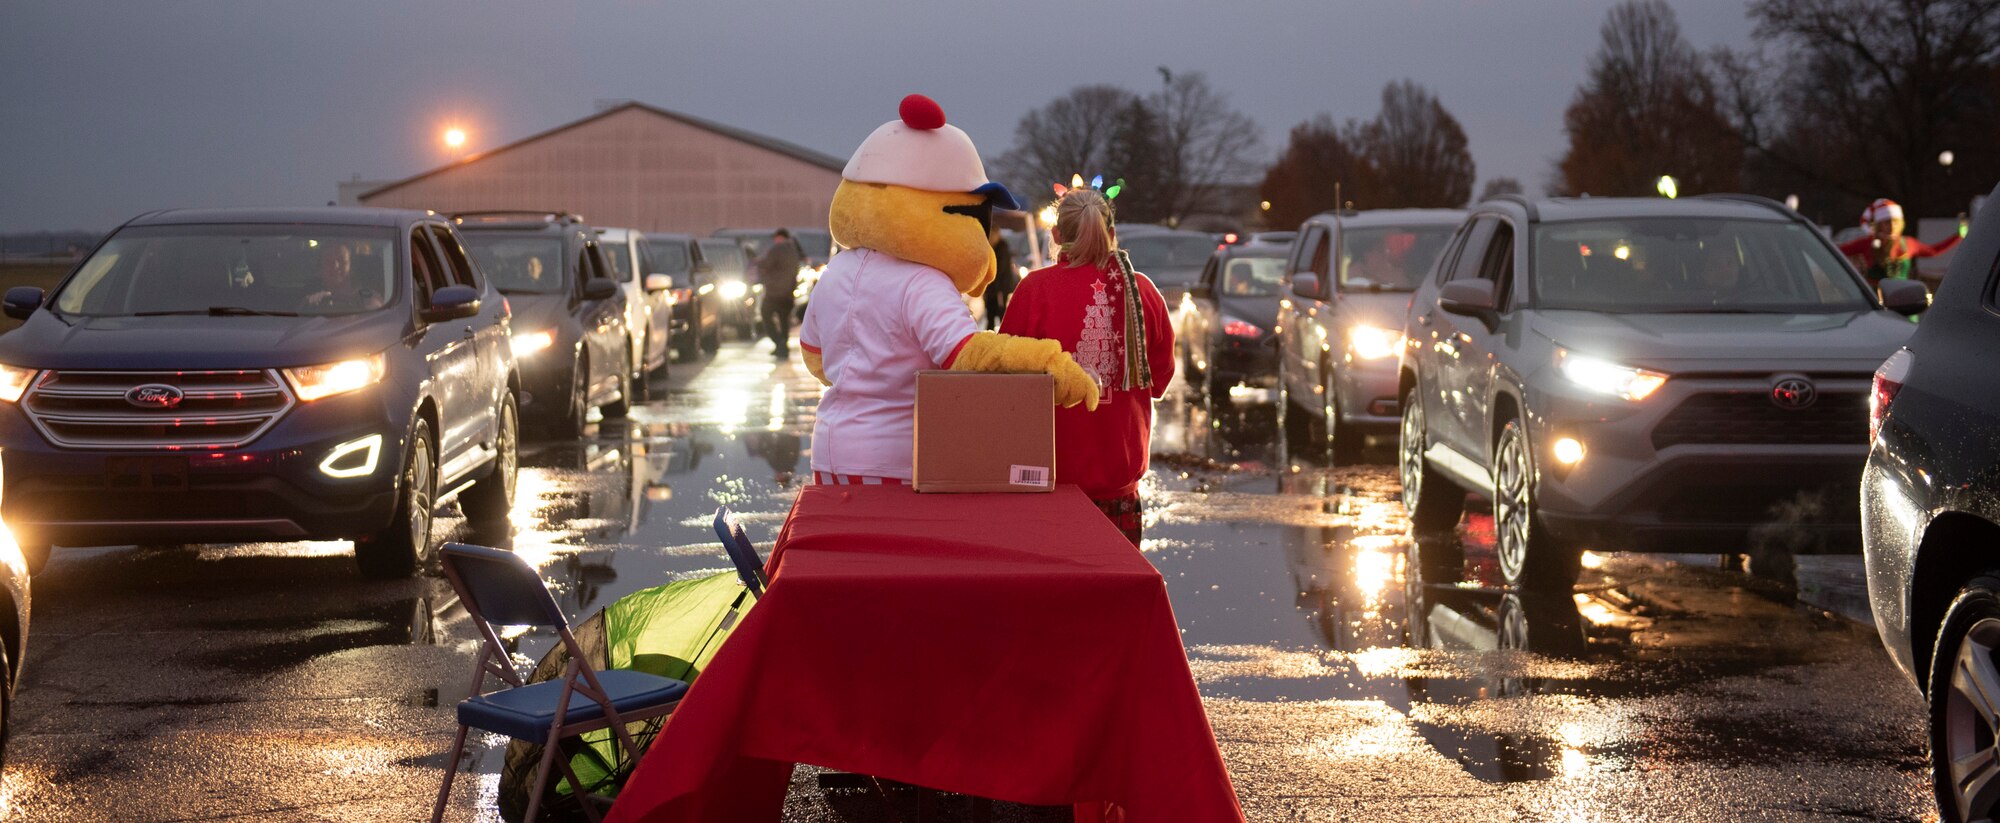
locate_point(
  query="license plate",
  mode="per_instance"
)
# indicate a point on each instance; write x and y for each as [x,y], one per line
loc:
[146,473]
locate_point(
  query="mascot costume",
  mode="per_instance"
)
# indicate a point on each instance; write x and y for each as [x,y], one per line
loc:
[912,211]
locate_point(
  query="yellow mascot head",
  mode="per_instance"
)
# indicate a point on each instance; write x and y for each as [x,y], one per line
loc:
[917,190]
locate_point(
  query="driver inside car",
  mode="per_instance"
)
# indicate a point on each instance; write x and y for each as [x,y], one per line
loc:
[338,291]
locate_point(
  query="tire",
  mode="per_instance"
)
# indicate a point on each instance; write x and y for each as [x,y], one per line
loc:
[1343,442]
[1296,425]
[1433,502]
[492,498]
[711,339]
[685,346]
[571,421]
[1965,774]
[404,546]
[35,556]
[1530,557]
[617,409]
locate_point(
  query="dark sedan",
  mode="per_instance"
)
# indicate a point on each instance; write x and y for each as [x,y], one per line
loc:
[1227,316]
[1172,259]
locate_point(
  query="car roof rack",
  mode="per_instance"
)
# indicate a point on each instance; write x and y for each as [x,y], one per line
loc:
[1766,202]
[517,215]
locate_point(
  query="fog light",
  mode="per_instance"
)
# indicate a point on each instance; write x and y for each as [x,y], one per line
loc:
[1568,451]
[354,458]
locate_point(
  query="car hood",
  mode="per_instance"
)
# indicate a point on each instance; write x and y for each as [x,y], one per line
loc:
[1853,340]
[49,341]
[1383,309]
[1259,311]
[538,312]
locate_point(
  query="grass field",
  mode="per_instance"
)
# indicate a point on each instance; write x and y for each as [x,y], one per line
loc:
[28,274]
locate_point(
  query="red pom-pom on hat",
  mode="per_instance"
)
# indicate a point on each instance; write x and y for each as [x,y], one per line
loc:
[921,113]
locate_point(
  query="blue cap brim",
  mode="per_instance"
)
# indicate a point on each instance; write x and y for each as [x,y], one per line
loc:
[998,196]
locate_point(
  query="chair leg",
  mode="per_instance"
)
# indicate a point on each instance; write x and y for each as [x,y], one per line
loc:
[550,751]
[450,771]
[576,790]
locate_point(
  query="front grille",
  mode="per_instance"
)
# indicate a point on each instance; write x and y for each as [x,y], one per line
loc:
[1750,418]
[217,410]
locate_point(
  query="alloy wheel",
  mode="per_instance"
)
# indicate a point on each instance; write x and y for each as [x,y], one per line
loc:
[1513,501]
[420,487]
[509,442]
[1972,721]
[1410,452]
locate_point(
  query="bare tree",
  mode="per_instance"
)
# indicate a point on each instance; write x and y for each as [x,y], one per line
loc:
[1499,186]
[1419,151]
[1205,144]
[1865,95]
[1647,109]
[1319,155]
[1073,134]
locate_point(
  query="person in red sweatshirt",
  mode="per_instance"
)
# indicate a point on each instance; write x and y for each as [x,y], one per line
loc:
[1885,252]
[1114,322]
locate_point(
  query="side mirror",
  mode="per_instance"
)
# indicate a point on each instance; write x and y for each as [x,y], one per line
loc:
[1306,285]
[1471,298]
[1899,296]
[658,282]
[21,301]
[599,288]
[452,303]
[1201,291]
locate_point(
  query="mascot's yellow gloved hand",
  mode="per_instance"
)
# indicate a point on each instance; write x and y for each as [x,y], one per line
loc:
[994,352]
[818,368]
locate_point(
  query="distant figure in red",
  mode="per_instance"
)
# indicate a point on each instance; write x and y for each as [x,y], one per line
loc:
[1885,253]
[1082,302]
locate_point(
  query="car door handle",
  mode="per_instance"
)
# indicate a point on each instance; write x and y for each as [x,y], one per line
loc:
[1424,319]
[471,332]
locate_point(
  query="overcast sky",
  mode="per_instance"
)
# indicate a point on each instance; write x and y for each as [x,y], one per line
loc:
[110,109]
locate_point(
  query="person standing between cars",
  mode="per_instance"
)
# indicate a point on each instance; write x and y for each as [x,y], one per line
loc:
[1005,276]
[1114,322]
[1886,253]
[778,272]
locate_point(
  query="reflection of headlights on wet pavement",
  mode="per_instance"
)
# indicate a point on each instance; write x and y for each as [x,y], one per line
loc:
[527,343]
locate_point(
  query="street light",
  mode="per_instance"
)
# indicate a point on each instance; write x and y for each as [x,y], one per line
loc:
[1944,159]
[454,137]
[1792,202]
[1264,205]
[1668,187]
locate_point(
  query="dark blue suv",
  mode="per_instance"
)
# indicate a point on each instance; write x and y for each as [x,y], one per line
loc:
[238,375]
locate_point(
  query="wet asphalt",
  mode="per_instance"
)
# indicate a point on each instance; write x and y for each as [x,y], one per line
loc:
[1348,673]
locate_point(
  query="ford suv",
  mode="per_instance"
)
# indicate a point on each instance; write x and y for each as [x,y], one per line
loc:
[235,375]
[1641,374]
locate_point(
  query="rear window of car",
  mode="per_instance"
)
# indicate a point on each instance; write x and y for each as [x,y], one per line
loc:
[1691,265]
[520,263]
[617,254]
[1149,253]
[670,258]
[235,268]
[1390,258]
[724,254]
[1253,277]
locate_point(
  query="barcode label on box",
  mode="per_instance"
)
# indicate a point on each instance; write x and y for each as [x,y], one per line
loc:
[1037,476]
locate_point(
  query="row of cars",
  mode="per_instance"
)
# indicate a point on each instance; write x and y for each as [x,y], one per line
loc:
[1657,375]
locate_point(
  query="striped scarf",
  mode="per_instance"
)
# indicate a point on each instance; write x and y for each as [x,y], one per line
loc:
[1138,370]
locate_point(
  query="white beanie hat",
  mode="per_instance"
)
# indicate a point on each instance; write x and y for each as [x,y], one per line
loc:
[1880,210]
[921,151]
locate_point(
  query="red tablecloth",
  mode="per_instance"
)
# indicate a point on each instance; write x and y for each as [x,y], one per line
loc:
[1011,646]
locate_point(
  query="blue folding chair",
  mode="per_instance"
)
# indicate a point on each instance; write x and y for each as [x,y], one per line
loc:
[749,567]
[498,588]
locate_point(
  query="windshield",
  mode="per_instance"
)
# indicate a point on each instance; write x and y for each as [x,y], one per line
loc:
[670,258]
[1253,277]
[518,263]
[618,254]
[815,245]
[725,255]
[1695,265]
[1391,258]
[1170,259]
[235,270]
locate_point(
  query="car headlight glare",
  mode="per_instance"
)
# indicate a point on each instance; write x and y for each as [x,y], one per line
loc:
[326,380]
[14,382]
[733,289]
[1609,378]
[1371,343]
[527,343]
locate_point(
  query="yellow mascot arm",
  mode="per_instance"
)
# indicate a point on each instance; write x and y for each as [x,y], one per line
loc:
[993,352]
[814,365]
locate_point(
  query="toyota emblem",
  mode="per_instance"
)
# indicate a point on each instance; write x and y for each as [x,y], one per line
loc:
[1793,393]
[154,396]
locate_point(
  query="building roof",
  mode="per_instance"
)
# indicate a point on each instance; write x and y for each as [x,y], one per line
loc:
[792,150]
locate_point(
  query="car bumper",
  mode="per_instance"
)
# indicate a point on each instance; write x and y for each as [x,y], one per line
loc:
[272,489]
[1236,360]
[546,380]
[1366,392]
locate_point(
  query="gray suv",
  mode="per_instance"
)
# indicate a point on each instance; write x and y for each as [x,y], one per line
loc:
[1639,374]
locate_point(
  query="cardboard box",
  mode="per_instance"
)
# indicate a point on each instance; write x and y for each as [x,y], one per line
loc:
[981,432]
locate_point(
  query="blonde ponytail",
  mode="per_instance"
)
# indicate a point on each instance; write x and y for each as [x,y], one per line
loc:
[1083,220]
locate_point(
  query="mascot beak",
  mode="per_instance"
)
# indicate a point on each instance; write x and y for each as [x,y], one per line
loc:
[997,196]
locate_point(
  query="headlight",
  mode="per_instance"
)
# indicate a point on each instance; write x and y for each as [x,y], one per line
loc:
[1371,343]
[527,343]
[314,382]
[14,382]
[733,289]
[1608,378]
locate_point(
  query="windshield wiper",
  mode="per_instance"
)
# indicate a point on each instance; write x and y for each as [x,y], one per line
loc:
[219,311]
[1724,310]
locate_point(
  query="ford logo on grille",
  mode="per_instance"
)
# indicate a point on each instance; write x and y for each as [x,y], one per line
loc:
[1793,393]
[154,396]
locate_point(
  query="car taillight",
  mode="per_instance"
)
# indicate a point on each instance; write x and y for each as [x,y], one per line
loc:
[1888,381]
[680,295]
[1238,328]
